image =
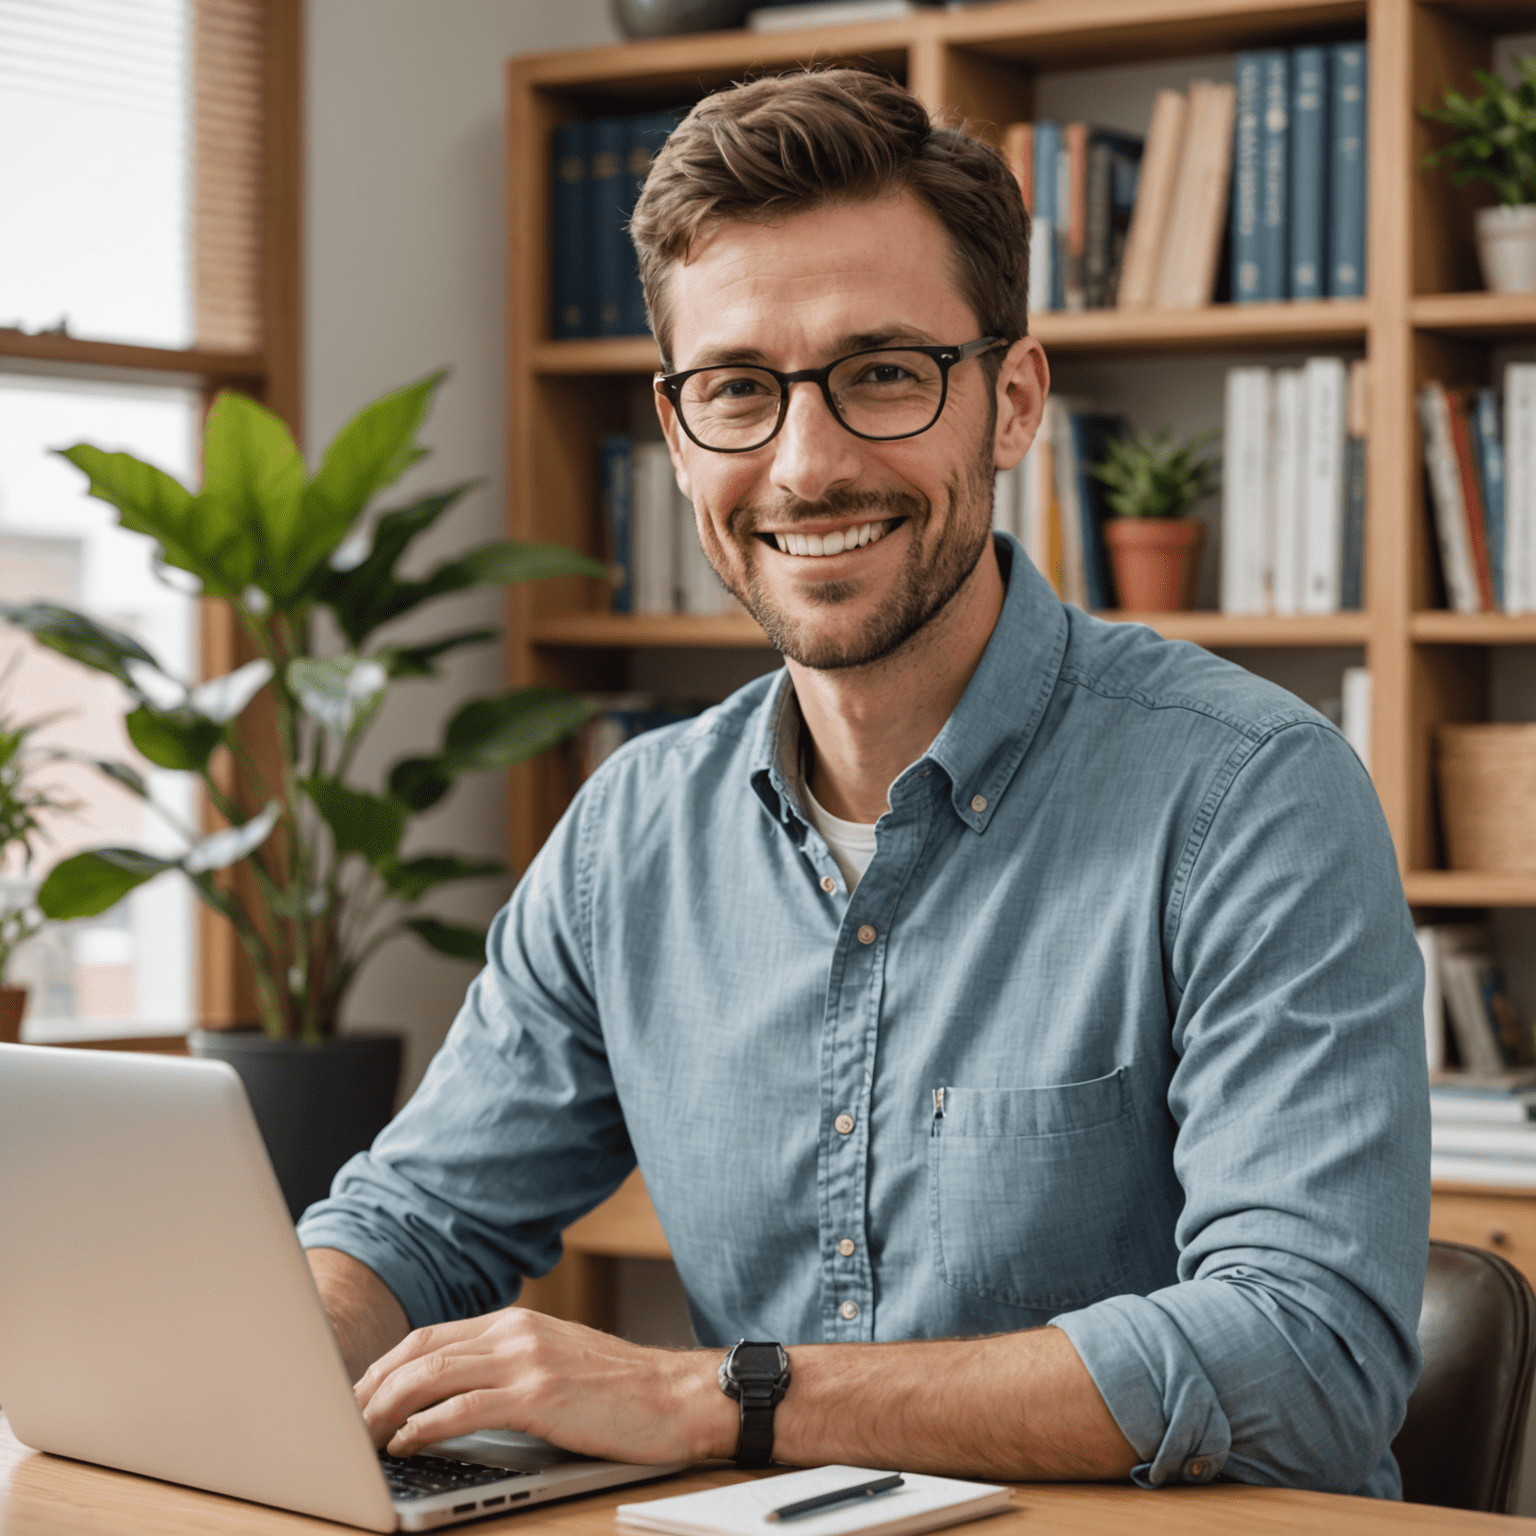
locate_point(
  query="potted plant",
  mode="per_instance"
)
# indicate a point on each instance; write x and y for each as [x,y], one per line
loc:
[1494,140]
[1154,547]
[311,868]
[22,801]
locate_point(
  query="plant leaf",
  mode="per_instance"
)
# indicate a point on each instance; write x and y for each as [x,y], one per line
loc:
[416,660]
[225,698]
[371,825]
[342,693]
[221,849]
[173,738]
[448,938]
[511,727]
[419,782]
[81,639]
[91,882]
[411,879]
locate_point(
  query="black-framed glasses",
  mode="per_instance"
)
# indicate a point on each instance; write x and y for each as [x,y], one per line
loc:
[880,394]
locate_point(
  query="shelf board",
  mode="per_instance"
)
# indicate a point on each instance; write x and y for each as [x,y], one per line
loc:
[1217,327]
[194,362]
[600,355]
[648,631]
[1440,626]
[1470,888]
[1474,314]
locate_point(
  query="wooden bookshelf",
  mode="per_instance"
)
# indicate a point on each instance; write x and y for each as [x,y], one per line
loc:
[1424,318]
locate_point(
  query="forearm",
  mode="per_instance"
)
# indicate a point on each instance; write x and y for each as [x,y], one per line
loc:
[1019,1406]
[365,1316]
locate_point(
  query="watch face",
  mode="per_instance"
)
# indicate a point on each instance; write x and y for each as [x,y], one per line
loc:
[750,1364]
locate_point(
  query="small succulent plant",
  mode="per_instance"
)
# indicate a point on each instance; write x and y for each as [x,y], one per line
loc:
[1149,475]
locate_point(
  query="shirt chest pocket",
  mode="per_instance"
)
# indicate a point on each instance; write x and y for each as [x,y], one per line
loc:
[1035,1194]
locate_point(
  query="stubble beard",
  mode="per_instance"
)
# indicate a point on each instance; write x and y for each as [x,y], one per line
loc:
[923,587]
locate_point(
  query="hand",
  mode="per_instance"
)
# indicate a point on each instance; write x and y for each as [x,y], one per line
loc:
[586,1391]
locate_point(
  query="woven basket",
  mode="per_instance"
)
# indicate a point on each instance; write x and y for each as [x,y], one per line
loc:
[1488,795]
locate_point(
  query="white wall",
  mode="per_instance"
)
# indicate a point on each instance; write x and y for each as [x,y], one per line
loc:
[405,272]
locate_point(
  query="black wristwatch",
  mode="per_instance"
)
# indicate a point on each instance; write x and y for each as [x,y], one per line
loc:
[757,1376]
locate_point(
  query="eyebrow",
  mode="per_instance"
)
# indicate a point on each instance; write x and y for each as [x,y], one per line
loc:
[854,341]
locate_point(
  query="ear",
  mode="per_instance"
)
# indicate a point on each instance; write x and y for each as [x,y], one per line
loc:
[675,440]
[1023,382]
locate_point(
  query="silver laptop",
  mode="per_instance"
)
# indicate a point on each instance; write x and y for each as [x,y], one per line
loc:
[157,1313]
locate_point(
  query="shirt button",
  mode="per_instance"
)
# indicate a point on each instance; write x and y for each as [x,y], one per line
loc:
[843,1125]
[846,1247]
[1195,1468]
[828,884]
[978,803]
[849,1310]
[866,934]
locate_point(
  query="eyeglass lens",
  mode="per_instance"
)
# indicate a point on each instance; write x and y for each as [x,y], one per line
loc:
[877,394]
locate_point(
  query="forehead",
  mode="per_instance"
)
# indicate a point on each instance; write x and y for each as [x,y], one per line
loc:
[800,285]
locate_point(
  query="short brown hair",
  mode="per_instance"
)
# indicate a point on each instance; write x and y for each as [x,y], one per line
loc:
[787,144]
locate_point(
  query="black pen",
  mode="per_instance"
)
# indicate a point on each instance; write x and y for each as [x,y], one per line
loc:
[837,1496]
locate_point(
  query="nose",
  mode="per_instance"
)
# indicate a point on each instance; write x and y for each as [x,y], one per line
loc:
[813,454]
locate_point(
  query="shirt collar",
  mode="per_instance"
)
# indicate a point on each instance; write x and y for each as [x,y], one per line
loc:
[985,739]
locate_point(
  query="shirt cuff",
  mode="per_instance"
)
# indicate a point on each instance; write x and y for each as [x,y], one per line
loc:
[1155,1388]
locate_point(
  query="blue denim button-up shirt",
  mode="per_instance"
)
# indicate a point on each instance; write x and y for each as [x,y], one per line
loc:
[1120,1031]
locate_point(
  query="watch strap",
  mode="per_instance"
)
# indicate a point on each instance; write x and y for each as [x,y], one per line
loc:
[754,1447]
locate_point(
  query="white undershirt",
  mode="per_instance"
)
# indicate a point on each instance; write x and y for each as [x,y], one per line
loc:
[852,842]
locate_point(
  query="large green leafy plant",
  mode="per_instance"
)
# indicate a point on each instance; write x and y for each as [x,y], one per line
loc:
[328,882]
[1152,476]
[1494,135]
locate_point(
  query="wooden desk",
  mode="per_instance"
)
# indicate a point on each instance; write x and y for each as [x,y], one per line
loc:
[46,1496]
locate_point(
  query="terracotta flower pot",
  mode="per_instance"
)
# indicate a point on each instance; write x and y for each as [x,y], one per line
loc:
[13,1003]
[1156,561]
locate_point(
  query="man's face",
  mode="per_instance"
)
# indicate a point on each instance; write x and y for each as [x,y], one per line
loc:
[913,514]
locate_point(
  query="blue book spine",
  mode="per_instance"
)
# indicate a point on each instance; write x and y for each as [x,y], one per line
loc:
[1346,174]
[1274,176]
[1490,455]
[1090,432]
[618,517]
[1309,172]
[1352,530]
[644,136]
[1042,240]
[1247,283]
[610,239]
[571,257]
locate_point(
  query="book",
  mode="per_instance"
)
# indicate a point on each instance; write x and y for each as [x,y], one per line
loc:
[1509,1173]
[1357,426]
[1007,494]
[1114,167]
[1516,1140]
[1247,275]
[1356,712]
[645,133]
[655,530]
[1245,491]
[1445,498]
[1488,1033]
[1471,496]
[1019,152]
[1154,193]
[1072,236]
[571,255]
[1037,510]
[1482,1106]
[609,216]
[1323,487]
[1068,517]
[1488,433]
[922,1503]
[1308,222]
[1347,172]
[1520,487]
[1091,430]
[1274,176]
[1186,277]
[618,517]
[1042,231]
[699,590]
[1288,555]
[1434,1003]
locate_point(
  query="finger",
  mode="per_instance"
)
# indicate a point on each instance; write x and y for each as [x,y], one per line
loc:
[482,1408]
[419,1342]
[431,1379]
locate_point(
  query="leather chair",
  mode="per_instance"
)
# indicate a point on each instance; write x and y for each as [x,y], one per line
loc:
[1462,1438]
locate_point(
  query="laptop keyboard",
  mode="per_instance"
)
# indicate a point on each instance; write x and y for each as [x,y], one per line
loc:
[418,1477]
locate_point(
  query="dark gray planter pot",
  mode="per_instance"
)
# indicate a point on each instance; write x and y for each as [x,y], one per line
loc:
[667,18]
[315,1104]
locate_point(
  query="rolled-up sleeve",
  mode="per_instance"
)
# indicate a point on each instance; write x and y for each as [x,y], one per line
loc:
[516,1129]
[1287,1351]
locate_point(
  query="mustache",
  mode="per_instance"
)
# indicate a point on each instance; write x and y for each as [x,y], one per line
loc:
[784,512]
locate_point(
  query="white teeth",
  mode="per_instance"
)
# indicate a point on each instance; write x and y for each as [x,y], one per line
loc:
[833,543]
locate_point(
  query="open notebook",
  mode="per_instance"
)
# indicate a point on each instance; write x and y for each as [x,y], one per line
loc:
[742,1509]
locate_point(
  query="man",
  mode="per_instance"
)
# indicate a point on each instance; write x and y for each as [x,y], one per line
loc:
[1015,1016]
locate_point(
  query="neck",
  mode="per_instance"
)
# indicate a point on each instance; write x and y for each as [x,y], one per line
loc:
[866,724]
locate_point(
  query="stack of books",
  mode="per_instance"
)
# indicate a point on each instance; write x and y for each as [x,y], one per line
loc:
[1298,181]
[1480,460]
[1483,1128]
[652,540]
[1293,488]
[598,167]
[1056,509]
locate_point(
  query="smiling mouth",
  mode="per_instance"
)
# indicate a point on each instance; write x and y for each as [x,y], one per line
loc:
[835,543]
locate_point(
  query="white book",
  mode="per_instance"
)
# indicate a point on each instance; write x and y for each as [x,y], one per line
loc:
[1154,192]
[1323,487]
[922,1503]
[1508,1173]
[1074,573]
[1434,1003]
[1520,487]
[1449,507]
[1356,720]
[1006,487]
[1514,1141]
[698,588]
[1245,487]
[1035,503]
[655,529]
[1288,558]
[1469,1108]
[1042,258]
